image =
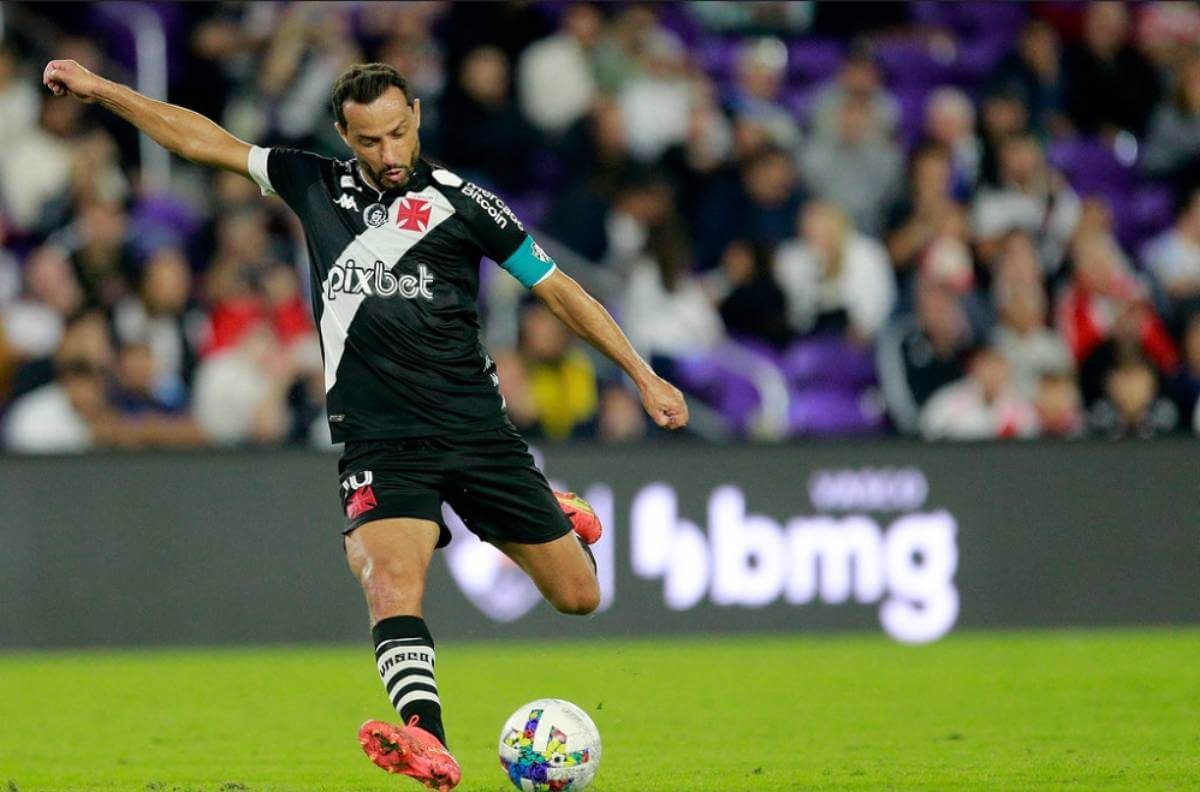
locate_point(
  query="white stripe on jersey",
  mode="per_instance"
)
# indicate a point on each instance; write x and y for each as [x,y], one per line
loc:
[256,164]
[386,243]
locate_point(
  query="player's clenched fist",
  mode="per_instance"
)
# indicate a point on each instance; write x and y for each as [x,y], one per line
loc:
[68,77]
[665,404]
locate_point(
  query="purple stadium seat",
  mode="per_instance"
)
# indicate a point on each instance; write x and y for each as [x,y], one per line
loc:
[977,58]
[911,97]
[997,21]
[742,381]
[760,349]
[828,412]
[908,62]
[1091,167]
[160,220]
[717,57]
[1142,214]
[1152,205]
[733,396]
[813,60]
[800,101]
[829,362]
[676,18]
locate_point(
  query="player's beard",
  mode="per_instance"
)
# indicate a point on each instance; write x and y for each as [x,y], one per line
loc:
[388,183]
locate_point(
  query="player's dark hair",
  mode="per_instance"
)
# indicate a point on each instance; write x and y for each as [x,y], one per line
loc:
[364,83]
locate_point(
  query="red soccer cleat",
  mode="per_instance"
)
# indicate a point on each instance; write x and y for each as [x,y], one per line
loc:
[411,751]
[583,518]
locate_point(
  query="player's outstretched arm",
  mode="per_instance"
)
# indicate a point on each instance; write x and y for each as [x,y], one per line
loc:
[589,320]
[177,129]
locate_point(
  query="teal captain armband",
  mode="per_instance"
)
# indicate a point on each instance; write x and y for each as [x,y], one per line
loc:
[529,263]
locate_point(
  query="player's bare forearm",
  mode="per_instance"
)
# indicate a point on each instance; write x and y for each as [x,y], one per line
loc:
[177,129]
[589,320]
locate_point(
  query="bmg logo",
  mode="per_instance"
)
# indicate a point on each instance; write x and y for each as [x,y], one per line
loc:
[753,560]
[376,280]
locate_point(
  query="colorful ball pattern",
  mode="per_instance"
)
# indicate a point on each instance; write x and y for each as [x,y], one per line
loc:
[550,745]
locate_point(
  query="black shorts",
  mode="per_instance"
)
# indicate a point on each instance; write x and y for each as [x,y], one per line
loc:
[488,478]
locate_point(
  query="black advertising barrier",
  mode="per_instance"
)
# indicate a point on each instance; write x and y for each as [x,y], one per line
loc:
[908,539]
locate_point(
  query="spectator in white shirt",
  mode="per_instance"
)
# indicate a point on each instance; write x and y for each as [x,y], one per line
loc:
[67,414]
[34,323]
[981,406]
[240,393]
[1031,348]
[1031,197]
[833,275]
[556,81]
[858,77]
[35,168]
[666,311]
[19,101]
[857,169]
[54,418]
[159,316]
[950,122]
[761,73]
[657,104]
[1173,258]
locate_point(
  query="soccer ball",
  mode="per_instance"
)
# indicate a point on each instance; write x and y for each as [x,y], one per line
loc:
[550,745]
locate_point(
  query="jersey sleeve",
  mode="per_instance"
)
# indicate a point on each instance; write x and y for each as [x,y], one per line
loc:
[501,235]
[529,263]
[284,172]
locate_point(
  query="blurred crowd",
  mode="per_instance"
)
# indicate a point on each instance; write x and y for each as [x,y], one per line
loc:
[969,221]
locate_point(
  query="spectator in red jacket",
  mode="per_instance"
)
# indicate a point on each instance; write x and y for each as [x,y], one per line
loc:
[1102,294]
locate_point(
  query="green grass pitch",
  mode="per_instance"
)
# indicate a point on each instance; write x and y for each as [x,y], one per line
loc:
[1080,710]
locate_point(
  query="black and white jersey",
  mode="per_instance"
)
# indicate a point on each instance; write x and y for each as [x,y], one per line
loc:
[395,275]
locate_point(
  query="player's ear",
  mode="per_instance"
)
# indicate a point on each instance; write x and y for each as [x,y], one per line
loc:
[341,130]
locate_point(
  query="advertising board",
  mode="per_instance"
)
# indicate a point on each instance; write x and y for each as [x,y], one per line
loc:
[911,540]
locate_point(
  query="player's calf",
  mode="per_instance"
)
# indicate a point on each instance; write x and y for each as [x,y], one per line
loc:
[561,570]
[390,557]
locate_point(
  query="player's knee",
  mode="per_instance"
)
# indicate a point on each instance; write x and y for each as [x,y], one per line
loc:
[389,587]
[578,600]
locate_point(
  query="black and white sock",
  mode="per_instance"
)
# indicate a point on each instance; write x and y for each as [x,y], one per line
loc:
[405,659]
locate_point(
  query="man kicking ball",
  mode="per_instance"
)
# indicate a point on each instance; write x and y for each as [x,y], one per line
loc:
[394,244]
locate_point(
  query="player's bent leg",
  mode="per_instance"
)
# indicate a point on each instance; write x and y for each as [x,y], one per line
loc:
[390,558]
[562,571]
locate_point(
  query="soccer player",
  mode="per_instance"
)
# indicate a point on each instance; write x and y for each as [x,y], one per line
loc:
[395,243]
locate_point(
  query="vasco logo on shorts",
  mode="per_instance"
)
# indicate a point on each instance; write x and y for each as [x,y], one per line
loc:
[358,481]
[377,281]
[363,498]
